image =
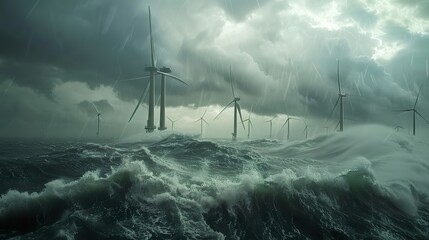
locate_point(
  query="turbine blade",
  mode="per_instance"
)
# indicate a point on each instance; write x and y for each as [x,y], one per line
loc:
[287,120]
[418,94]
[95,107]
[224,108]
[422,117]
[205,121]
[138,104]
[338,76]
[151,40]
[197,120]
[251,124]
[250,113]
[353,95]
[239,111]
[338,124]
[170,119]
[136,78]
[336,103]
[305,123]
[404,110]
[205,112]
[230,79]
[172,76]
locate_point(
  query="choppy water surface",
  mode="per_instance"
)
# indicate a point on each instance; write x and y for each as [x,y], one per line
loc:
[368,183]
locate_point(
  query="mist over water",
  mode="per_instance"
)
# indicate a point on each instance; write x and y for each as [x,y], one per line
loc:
[368,182]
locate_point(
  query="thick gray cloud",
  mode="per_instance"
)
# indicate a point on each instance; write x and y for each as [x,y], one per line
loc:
[282,56]
[93,108]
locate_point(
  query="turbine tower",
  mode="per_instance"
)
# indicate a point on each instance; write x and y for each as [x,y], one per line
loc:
[166,72]
[201,119]
[172,122]
[414,110]
[237,107]
[341,95]
[271,125]
[249,123]
[153,70]
[98,118]
[288,125]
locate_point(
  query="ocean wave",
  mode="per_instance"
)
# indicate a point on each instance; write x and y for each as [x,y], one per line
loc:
[287,204]
[357,184]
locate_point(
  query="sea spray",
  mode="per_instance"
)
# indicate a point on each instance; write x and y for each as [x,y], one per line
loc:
[367,182]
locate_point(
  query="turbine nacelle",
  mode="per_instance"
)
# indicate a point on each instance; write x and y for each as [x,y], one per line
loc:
[165,70]
[151,69]
[237,99]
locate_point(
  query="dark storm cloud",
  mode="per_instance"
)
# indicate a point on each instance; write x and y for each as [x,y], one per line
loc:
[37,76]
[92,108]
[283,54]
[86,40]
[26,113]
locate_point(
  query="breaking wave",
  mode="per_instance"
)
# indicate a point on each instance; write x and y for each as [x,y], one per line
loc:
[351,185]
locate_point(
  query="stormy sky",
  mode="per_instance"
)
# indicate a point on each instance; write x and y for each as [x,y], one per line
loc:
[60,58]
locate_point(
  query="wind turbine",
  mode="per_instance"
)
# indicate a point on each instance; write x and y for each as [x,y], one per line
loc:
[153,70]
[341,95]
[201,119]
[271,125]
[398,127]
[249,123]
[98,118]
[415,111]
[288,125]
[236,108]
[172,122]
[305,129]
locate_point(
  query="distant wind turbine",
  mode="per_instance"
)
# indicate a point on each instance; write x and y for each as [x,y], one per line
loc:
[153,70]
[201,119]
[98,118]
[398,127]
[249,123]
[288,125]
[306,129]
[271,125]
[172,122]
[414,110]
[237,107]
[341,95]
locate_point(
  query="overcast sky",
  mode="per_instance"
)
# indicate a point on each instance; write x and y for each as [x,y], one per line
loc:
[56,57]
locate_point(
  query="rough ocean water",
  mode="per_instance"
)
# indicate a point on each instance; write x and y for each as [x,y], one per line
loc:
[369,182]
